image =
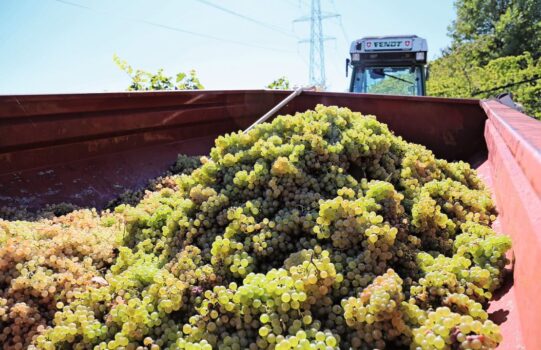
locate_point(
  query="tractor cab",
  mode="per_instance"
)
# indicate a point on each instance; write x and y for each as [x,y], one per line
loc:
[394,65]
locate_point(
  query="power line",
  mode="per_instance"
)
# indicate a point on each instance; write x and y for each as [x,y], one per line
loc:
[247,18]
[299,3]
[340,23]
[302,58]
[476,93]
[207,36]
[176,29]
[74,4]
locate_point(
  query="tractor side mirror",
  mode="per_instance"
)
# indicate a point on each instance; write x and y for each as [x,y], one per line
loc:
[347,66]
[427,72]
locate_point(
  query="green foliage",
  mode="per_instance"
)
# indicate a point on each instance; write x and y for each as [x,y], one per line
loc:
[457,75]
[146,81]
[514,26]
[281,83]
[452,74]
[496,43]
[476,17]
[519,29]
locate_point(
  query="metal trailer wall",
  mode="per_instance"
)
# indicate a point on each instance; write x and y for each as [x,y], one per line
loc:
[88,148]
[514,175]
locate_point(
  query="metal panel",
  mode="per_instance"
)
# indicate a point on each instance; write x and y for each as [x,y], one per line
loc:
[513,144]
[49,142]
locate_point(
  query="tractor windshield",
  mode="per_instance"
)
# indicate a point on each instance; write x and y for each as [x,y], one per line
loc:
[389,80]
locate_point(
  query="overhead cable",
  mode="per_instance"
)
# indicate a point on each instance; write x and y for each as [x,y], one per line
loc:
[247,18]
[176,29]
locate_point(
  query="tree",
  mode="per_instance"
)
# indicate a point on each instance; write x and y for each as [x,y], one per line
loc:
[519,29]
[456,77]
[452,74]
[145,81]
[476,17]
[496,48]
[514,26]
[281,83]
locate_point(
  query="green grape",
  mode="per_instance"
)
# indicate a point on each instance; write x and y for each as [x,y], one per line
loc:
[319,230]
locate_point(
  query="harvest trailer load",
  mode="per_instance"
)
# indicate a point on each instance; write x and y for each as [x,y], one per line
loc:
[388,65]
[86,149]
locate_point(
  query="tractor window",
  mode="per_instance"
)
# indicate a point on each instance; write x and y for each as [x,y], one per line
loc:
[389,80]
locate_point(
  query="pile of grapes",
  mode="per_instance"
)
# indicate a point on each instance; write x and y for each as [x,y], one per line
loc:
[321,230]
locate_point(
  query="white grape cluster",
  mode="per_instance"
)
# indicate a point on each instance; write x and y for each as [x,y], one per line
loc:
[319,230]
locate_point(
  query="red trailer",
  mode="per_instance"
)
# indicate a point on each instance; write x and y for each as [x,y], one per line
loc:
[86,149]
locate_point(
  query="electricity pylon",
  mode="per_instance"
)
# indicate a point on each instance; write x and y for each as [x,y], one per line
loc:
[316,74]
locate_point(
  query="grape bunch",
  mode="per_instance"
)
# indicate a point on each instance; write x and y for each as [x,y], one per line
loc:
[43,264]
[319,230]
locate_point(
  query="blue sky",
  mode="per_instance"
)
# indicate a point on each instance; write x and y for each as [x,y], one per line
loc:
[52,46]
